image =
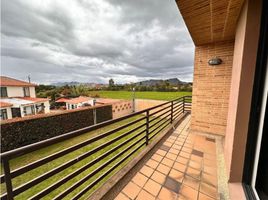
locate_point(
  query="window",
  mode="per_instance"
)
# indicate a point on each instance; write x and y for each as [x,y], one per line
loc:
[26,91]
[3,114]
[29,110]
[3,92]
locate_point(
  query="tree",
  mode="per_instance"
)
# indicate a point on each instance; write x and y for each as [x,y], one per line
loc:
[111,83]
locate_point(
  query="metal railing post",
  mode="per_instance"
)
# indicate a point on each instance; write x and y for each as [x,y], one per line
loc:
[171,117]
[8,179]
[183,104]
[147,127]
[94,116]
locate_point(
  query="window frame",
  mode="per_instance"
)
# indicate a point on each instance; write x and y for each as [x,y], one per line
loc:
[26,91]
[5,89]
[3,114]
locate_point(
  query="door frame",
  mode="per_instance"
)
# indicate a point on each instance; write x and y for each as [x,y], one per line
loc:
[256,103]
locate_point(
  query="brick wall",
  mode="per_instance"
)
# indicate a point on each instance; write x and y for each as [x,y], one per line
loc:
[122,108]
[211,88]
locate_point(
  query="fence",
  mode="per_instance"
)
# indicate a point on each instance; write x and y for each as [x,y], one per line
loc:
[104,157]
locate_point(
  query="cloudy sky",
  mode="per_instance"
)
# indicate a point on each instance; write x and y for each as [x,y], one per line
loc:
[94,40]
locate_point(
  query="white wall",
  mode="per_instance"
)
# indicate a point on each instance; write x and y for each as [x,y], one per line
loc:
[18,92]
[32,92]
[9,113]
[47,107]
[78,105]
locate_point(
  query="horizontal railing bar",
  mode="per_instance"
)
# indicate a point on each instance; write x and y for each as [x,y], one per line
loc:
[4,196]
[158,111]
[56,155]
[81,169]
[177,115]
[77,196]
[178,106]
[161,119]
[159,126]
[178,99]
[155,118]
[175,110]
[84,179]
[44,143]
[178,102]
[158,131]
[58,169]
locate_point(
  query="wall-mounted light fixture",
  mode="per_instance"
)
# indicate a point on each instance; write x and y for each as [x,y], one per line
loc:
[215,61]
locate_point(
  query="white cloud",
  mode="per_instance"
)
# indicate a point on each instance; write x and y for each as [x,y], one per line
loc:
[70,40]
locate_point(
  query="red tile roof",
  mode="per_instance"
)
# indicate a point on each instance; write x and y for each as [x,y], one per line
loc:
[74,100]
[108,101]
[4,104]
[61,100]
[7,81]
[36,100]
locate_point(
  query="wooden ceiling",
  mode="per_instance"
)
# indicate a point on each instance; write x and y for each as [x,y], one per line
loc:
[210,21]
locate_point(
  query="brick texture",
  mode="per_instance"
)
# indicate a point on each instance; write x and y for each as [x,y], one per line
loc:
[211,88]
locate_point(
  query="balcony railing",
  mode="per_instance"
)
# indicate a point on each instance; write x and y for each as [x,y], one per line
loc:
[146,125]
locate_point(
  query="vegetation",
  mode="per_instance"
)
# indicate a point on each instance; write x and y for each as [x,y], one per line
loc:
[75,91]
[140,95]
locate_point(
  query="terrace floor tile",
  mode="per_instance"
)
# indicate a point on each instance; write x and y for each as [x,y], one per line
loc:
[131,190]
[152,187]
[184,167]
[144,195]
[140,179]
[147,171]
[166,194]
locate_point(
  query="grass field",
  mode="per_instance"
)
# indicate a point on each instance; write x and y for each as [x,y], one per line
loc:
[140,95]
[26,159]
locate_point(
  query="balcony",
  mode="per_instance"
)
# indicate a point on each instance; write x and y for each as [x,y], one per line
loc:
[81,163]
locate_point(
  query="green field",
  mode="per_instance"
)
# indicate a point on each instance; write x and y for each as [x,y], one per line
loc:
[26,159]
[140,95]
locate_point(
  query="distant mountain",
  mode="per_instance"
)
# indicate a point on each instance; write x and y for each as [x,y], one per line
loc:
[60,84]
[75,83]
[153,82]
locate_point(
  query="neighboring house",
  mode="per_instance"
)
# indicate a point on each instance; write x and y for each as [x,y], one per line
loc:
[18,99]
[77,102]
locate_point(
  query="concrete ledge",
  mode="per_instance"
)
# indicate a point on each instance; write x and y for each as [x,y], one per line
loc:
[114,185]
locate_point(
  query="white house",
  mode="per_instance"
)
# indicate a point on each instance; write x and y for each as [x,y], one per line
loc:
[77,102]
[18,99]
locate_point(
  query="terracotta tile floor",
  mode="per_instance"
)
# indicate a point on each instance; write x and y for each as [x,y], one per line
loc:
[184,167]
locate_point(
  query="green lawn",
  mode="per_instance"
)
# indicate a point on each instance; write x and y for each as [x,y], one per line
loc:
[23,160]
[140,95]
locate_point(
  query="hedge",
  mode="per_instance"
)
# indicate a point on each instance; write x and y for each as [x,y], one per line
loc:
[15,134]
